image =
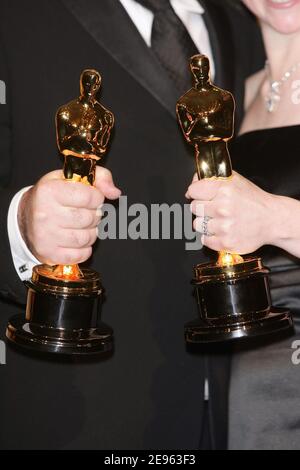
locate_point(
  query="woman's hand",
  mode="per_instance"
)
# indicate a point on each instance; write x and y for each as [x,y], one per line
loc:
[241,214]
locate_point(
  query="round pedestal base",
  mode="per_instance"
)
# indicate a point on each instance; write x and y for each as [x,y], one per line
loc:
[49,340]
[62,315]
[275,321]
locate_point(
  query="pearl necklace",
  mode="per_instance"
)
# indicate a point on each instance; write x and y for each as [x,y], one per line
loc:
[274,95]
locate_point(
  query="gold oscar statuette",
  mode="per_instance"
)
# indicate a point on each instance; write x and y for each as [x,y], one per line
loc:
[64,302]
[233,294]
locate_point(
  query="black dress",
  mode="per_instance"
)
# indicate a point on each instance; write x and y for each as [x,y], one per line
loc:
[265,387]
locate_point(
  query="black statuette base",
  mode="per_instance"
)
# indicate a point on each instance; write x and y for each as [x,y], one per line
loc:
[234,303]
[43,340]
[275,321]
[62,317]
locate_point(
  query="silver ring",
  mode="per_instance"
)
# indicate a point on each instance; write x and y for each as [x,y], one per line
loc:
[205,230]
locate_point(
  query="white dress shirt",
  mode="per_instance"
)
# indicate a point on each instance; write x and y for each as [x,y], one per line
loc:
[191,14]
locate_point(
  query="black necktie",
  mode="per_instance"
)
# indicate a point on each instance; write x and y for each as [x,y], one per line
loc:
[171,43]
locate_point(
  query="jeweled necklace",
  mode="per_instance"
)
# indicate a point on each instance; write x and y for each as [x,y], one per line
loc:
[273,97]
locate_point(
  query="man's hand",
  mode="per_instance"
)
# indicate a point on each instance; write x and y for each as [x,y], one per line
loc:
[58,219]
[242,214]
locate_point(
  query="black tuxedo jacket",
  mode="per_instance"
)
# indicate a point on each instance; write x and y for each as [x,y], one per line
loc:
[150,393]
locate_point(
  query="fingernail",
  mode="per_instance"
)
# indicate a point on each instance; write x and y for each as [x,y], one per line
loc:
[99,212]
[198,225]
[199,209]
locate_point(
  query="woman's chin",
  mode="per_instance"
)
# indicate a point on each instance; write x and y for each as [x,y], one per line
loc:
[284,24]
[282,16]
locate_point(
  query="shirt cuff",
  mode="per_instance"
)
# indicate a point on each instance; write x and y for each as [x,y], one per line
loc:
[23,259]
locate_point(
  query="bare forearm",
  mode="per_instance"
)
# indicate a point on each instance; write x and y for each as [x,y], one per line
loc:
[285,227]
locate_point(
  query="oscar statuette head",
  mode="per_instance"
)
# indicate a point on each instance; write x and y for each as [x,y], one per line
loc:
[90,83]
[200,68]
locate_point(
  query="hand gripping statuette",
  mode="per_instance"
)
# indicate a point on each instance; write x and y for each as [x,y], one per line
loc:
[64,302]
[233,294]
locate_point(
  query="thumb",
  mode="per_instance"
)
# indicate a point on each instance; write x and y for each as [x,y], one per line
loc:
[53,175]
[104,182]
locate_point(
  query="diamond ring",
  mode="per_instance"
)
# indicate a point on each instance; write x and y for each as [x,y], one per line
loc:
[205,230]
